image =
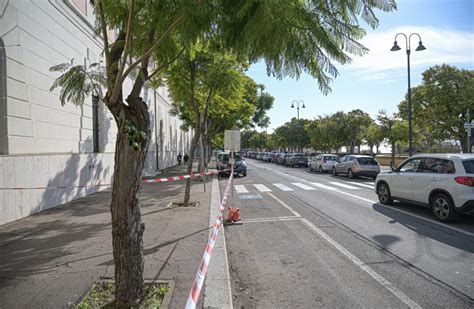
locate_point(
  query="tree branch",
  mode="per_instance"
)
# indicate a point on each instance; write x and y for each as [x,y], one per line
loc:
[165,65]
[149,51]
[103,26]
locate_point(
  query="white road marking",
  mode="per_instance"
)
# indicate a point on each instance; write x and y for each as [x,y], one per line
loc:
[262,188]
[381,280]
[343,185]
[322,186]
[272,219]
[361,184]
[302,186]
[282,187]
[371,183]
[240,189]
[375,202]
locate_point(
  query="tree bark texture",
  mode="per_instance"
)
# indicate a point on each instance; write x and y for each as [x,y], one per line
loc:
[127,226]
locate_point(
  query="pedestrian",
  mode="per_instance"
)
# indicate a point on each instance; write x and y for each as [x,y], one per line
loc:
[179,158]
[185,158]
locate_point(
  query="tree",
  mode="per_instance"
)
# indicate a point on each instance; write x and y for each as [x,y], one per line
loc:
[210,91]
[292,36]
[293,134]
[374,136]
[146,42]
[394,129]
[440,105]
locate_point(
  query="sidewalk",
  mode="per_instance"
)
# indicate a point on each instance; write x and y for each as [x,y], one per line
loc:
[51,259]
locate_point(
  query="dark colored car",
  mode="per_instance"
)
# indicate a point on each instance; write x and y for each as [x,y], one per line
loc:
[223,165]
[297,159]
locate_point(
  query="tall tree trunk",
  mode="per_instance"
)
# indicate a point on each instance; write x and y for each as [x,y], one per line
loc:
[127,226]
[192,150]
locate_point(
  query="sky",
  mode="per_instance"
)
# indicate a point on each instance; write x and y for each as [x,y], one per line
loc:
[379,80]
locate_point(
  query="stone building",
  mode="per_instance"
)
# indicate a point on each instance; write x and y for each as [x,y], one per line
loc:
[44,145]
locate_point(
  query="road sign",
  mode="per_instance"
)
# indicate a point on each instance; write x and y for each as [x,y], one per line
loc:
[468,125]
[469,133]
[232,140]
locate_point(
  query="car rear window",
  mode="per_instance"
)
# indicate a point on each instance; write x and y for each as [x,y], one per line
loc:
[330,158]
[367,161]
[468,166]
[299,155]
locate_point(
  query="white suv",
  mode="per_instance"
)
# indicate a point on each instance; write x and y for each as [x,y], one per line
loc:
[444,182]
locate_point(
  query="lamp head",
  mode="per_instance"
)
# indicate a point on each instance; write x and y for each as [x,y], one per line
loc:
[420,47]
[292,105]
[303,106]
[395,46]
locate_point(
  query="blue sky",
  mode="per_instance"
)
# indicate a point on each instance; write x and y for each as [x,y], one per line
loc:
[379,79]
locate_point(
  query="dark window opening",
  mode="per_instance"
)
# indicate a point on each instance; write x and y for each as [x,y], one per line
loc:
[95,123]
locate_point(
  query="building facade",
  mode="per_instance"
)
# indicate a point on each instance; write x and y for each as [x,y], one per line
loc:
[51,154]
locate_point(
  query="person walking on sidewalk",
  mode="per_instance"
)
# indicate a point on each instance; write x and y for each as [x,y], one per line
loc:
[179,158]
[185,158]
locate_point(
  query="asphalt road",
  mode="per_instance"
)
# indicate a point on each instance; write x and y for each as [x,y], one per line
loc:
[313,240]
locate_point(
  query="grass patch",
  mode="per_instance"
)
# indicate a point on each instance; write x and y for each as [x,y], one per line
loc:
[102,295]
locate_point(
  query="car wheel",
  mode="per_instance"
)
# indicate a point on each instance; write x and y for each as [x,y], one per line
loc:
[310,167]
[443,208]
[383,192]
[321,169]
[244,174]
[350,174]
[334,172]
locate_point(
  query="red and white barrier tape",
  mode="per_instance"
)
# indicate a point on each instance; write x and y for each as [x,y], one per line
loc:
[202,271]
[180,177]
[167,179]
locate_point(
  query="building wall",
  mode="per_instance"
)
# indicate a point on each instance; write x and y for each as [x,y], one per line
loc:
[46,145]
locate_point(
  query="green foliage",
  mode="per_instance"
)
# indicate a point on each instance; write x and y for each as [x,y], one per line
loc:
[295,37]
[440,104]
[293,134]
[136,137]
[78,81]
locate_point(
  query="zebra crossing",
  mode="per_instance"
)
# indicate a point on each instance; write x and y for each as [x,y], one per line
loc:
[315,186]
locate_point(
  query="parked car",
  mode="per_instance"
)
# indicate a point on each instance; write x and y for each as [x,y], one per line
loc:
[275,158]
[443,182]
[282,158]
[323,162]
[270,156]
[296,159]
[259,156]
[223,165]
[357,165]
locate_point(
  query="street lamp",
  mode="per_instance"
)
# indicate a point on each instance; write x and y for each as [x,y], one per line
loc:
[419,48]
[297,107]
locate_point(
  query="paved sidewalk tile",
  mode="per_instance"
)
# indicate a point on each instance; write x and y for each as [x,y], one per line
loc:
[52,258]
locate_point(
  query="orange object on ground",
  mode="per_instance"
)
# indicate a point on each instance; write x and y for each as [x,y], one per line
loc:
[230,214]
[236,216]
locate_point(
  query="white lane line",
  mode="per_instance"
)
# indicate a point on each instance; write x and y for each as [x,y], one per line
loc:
[411,214]
[272,219]
[262,188]
[322,186]
[361,184]
[375,202]
[303,186]
[343,185]
[371,183]
[381,280]
[282,187]
[384,282]
[240,189]
[284,205]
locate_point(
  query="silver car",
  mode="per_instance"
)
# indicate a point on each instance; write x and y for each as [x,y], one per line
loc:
[357,165]
[323,162]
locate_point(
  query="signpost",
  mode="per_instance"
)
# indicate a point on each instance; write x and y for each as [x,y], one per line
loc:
[468,126]
[232,144]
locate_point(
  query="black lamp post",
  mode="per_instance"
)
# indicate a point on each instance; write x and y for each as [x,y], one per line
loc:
[419,48]
[297,107]
[298,113]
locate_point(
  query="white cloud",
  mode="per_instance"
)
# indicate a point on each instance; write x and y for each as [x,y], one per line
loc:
[442,46]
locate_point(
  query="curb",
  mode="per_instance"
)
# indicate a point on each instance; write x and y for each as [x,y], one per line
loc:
[217,289]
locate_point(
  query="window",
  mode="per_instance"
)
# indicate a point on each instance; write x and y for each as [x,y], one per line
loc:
[367,161]
[468,166]
[410,166]
[95,123]
[3,100]
[436,166]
